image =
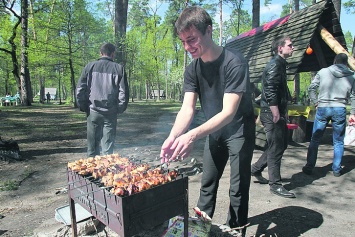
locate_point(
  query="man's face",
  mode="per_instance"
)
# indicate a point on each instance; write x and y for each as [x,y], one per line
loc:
[195,42]
[286,50]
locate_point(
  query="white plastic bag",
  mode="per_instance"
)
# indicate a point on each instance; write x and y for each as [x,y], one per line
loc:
[349,139]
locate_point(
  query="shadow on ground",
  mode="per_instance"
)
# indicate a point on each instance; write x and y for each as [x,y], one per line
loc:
[298,220]
[301,180]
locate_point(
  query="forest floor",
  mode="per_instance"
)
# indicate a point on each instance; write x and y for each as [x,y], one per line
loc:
[50,136]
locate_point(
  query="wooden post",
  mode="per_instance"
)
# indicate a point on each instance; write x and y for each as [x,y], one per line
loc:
[318,51]
[335,46]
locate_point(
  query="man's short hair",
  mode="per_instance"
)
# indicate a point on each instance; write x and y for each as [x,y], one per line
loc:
[193,16]
[278,41]
[107,49]
[341,58]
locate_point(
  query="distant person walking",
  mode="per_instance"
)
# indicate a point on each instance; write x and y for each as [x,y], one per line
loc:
[275,96]
[48,96]
[334,85]
[102,92]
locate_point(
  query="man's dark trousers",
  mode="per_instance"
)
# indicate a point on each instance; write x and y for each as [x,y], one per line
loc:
[277,141]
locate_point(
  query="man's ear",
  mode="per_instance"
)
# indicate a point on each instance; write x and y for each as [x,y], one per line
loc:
[209,29]
[279,48]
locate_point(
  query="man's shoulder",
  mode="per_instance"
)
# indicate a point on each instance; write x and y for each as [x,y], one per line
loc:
[235,53]
[234,57]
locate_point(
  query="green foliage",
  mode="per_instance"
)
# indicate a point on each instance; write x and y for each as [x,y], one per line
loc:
[349,41]
[237,24]
[9,185]
[349,6]
[66,34]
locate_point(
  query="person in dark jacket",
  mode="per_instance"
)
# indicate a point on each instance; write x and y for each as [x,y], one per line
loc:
[48,96]
[273,116]
[102,92]
[334,85]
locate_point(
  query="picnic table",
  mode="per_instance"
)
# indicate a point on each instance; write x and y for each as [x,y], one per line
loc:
[10,101]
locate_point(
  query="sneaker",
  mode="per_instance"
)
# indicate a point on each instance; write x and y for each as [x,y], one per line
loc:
[231,231]
[307,170]
[337,174]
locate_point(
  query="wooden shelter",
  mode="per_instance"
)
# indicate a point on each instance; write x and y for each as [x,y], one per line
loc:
[304,28]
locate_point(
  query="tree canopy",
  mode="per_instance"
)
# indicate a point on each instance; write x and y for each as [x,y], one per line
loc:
[64,35]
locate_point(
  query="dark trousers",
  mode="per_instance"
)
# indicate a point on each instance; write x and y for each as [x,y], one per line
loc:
[277,141]
[101,129]
[216,155]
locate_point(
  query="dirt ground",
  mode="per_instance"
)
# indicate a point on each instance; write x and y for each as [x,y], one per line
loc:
[50,136]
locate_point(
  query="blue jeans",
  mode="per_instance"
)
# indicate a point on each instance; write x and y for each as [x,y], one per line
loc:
[323,115]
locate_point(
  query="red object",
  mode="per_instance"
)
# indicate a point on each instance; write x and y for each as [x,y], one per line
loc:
[309,50]
[292,126]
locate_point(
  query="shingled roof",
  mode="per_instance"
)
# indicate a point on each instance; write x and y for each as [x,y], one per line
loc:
[302,27]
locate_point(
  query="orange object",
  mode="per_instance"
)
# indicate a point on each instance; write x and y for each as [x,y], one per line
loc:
[309,50]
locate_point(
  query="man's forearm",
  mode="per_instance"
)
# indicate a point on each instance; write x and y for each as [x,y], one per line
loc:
[182,123]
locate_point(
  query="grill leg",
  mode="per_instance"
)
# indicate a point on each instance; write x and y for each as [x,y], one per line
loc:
[73,218]
[186,209]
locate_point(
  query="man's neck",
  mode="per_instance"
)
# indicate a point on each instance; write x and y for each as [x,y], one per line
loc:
[213,53]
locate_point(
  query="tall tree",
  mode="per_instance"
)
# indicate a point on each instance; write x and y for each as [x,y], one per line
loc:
[220,21]
[9,9]
[121,9]
[296,87]
[256,14]
[26,90]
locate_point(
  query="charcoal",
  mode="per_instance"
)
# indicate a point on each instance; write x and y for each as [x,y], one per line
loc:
[9,150]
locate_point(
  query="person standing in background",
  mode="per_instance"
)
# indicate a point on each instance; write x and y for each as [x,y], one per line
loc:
[102,93]
[275,96]
[48,96]
[334,85]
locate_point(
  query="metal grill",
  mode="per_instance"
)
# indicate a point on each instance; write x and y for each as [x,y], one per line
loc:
[132,214]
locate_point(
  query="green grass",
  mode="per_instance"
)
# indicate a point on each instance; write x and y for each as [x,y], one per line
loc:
[10,185]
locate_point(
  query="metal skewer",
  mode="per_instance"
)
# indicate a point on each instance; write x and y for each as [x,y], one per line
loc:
[100,189]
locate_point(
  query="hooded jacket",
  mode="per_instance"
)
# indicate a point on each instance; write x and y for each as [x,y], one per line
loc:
[334,85]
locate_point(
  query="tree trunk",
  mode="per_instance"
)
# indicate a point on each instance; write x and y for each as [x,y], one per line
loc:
[354,48]
[313,73]
[15,65]
[120,29]
[220,22]
[296,87]
[25,73]
[256,14]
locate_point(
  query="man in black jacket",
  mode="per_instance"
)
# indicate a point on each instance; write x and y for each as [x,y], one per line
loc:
[273,115]
[102,92]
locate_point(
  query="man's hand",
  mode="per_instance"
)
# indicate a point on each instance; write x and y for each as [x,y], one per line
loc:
[176,148]
[275,113]
[166,150]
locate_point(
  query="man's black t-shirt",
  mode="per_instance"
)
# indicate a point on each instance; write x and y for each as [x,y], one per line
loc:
[228,74]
